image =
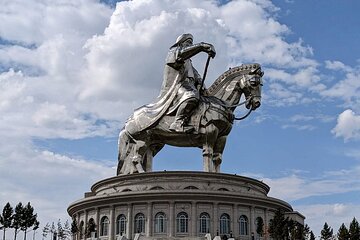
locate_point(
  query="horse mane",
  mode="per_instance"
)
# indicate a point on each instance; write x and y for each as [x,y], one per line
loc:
[229,75]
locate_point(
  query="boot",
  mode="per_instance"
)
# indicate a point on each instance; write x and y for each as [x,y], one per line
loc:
[182,116]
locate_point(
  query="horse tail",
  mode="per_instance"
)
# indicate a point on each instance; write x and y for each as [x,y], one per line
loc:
[123,146]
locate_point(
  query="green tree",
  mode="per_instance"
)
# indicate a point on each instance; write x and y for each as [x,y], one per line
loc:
[354,230]
[326,232]
[45,230]
[53,231]
[6,218]
[74,228]
[90,227]
[343,233]
[300,232]
[60,231]
[277,226]
[17,219]
[67,229]
[311,236]
[28,219]
[35,227]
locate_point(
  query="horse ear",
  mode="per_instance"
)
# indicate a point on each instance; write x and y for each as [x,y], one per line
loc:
[257,71]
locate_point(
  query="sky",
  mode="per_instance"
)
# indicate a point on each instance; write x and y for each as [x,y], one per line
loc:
[72,71]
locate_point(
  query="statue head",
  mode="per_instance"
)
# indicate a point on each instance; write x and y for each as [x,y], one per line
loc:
[182,39]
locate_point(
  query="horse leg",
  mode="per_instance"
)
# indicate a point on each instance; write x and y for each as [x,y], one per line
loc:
[208,147]
[124,145]
[139,150]
[149,155]
[218,150]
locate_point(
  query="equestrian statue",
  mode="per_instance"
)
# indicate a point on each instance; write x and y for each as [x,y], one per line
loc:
[185,114]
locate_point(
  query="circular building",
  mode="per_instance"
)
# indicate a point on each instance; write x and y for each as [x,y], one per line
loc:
[177,205]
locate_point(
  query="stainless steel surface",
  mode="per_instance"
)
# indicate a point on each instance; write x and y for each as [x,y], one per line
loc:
[185,116]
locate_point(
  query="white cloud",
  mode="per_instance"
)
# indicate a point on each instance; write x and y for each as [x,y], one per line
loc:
[347,88]
[334,214]
[48,180]
[76,69]
[32,21]
[295,186]
[337,65]
[348,126]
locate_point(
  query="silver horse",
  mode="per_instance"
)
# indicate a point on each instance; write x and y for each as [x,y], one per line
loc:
[212,119]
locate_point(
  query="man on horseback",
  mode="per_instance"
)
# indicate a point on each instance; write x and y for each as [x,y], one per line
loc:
[181,77]
[180,91]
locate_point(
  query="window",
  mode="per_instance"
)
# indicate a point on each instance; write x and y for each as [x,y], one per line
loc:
[224,224]
[191,187]
[139,223]
[157,188]
[243,225]
[160,223]
[182,222]
[91,228]
[259,226]
[81,229]
[121,225]
[204,223]
[104,226]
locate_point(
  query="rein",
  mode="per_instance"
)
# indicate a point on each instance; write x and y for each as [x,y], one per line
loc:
[239,104]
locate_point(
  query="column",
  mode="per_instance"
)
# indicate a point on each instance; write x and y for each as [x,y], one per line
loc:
[78,224]
[193,219]
[149,219]
[112,223]
[97,220]
[252,221]
[129,222]
[266,224]
[215,220]
[235,221]
[85,223]
[172,220]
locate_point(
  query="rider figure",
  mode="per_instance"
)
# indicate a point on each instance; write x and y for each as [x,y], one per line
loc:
[179,70]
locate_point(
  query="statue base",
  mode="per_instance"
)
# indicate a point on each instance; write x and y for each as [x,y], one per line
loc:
[177,205]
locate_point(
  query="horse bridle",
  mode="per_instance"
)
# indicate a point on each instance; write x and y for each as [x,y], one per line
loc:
[244,102]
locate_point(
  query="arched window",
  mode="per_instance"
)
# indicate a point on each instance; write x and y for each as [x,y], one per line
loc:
[121,225]
[259,226]
[81,229]
[224,224]
[104,226]
[191,187]
[160,226]
[243,225]
[182,222]
[139,223]
[90,228]
[204,223]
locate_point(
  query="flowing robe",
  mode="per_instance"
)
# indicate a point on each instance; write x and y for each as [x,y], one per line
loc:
[180,82]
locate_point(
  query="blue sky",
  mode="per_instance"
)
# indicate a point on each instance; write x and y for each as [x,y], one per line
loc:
[69,77]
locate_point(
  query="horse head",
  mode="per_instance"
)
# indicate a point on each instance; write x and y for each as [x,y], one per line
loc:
[251,85]
[245,79]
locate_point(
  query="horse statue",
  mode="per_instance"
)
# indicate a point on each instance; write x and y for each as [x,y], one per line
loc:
[213,119]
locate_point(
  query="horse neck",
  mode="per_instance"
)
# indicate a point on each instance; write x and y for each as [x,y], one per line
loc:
[227,87]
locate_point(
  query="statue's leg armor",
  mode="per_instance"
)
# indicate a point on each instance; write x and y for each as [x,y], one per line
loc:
[183,115]
[185,109]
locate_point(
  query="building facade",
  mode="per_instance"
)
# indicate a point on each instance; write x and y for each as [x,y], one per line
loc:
[177,205]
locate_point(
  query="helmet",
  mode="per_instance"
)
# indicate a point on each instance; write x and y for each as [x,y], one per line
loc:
[182,38]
